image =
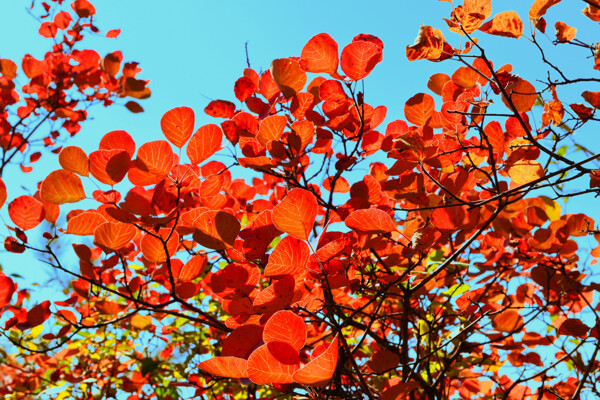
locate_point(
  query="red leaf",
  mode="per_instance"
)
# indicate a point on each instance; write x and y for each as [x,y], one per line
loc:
[359,58]
[573,327]
[288,258]
[506,23]
[242,341]
[83,8]
[216,230]
[153,248]
[155,157]
[296,213]
[320,370]
[508,321]
[73,159]
[371,220]
[288,75]
[113,235]
[320,54]
[522,95]
[229,367]
[419,108]
[113,33]
[3,194]
[38,314]
[178,125]
[120,140]
[85,223]
[193,268]
[62,20]
[205,142]
[7,288]
[62,187]
[271,128]
[274,362]
[26,212]
[244,88]
[109,166]
[220,109]
[286,327]
[341,185]
[48,29]
[275,297]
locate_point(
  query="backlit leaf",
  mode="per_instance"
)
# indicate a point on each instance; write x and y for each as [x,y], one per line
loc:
[359,58]
[193,268]
[220,109]
[288,75]
[38,314]
[370,220]
[296,213]
[564,32]
[507,321]
[539,8]
[7,288]
[287,327]
[320,54]
[216,229]
[26,212]
[177,125]
[109,166]
[229,367]
[525,171]
[62,187]
[119,140]
[153,248]
[271,128]
[319,371]
[113,235]
[205,142]
[273,362]
[419,108]
[85,223]
[429,45]
[288,258]
[3,194]
[573,327]
[155,157]
[73,159]
[506,23]
[522,94]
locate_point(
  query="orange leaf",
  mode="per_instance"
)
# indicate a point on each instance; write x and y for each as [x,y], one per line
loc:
[564,32]
[506,23]
[341,185]
[178,125]
[113,235]
[522,94]
[242,341]
[592,97]
[296,213]
[229,367]
[275,297]
[288,258]
[193,268]
[119,140]
[320,370]
[465,77]
[287,327]
[525,171]
[428,45]
[436,82]
[370,220]
[507,321]
[288,75]
[539,8]
[83,8]
[419,108]
[26,212]
[216,230]
[359,58]
[153,248]
[205,142]
[85,223]
[273,362]
[320,54]
[109,307]
[8,68]
[155,157]
[467,18]
[73,159]
[113,33]
[62,187]
[109,166]
[271,128]
[7,288]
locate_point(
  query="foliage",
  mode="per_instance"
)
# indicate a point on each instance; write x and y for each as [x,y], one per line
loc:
[447,271]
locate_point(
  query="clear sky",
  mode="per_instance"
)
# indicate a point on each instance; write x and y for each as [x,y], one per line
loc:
[193,51]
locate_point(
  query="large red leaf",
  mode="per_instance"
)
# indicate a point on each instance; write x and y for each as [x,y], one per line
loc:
[235,281]
[7,288]
[288,75]
[285,326]
[296,213]
[193,268]
[85,223]
[359,58]
[371,220]
[320,370]
[73,159]
[216,230]
[419,108]
[178,125]
[289,257]
[38,314]
[320,54]
[109,166]
[155,157]
[229,367]
[275,297]
[273,362]
[113,235]
[242,341]
[26,212]
[205,142]
[62,187]
[271,128]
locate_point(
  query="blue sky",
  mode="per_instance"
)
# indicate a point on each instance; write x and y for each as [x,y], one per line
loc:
[193,51]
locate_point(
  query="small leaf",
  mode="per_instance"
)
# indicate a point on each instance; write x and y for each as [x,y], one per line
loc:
[564,32]
[525,171]
[573,327]
[429,45]
[112,236]
[73,159]
[539,8]
[273,362]
[419,108]
[271,128]
[275,297]
[216,230]
[286,327]
[26,212]
[507,321]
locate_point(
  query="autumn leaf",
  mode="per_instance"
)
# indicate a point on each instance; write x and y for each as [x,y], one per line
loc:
[428,45]
[73,159]
[564,32]
[419,108]
[573,327]
[62,187]
[26,212]
[296,213]
[507,23]
[359,58]
[371,220]
[507,321]
[540,7]
[320,54]
[288,75]
[522,95]
[229,367]
[274,362]
[318,372]
[177,125]
[525,171]
[205,142]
